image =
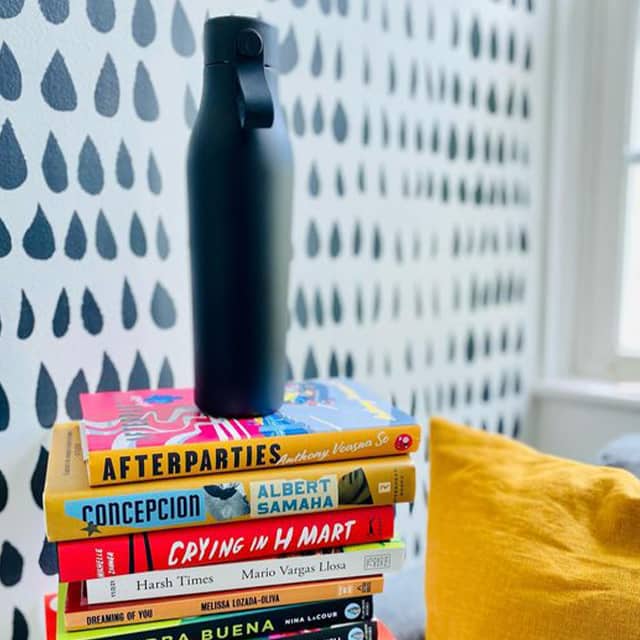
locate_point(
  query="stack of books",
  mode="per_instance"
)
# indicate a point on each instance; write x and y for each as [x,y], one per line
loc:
[172,525]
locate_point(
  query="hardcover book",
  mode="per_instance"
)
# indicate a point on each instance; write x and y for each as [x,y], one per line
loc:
[213,544]
[74,510]
[78,614]
[132,436]
[347,562]
[263,623]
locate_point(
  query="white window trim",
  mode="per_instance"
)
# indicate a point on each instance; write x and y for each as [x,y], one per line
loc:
[580,402]
[586,217]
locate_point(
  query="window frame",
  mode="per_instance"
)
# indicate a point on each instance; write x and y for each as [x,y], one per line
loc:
[592,78]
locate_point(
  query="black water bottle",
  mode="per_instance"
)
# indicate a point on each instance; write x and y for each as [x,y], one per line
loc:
[240,182]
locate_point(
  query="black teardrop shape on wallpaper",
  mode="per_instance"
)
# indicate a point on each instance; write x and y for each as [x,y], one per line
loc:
[313,240]
[75,244]
[318,308]
[105,240]
[339,63]
[101,14]
[343,7]
[325,6]
[165,379]
[54,166]
[27,319]
[366,69]
[190,109]
[340,186]
[318,117]
[314,181]
[55,11]
[5,240]
[124,167]
[13,168]
[5,412]
[91,315]
[336,306]
[493,44]
[340,126]
[38,476]
[137,237]
[391,77]
[46,399]
[143,24]
[129,309]
[139,376]
[310,366]
[106,95]
[334,242]
[359,306]
[362,183]
[57,86]
[72,401]
[4,491]
[61,315]
[109,378]
[384,18]
[470,351]
[377,244]
[298,118]
[38,240]
[162,240]
[90,172]
[357,239]
[377,303]
[299,3]
[349,366]
[10,8]
[333,366]
[181,33]
[288,52]
[301,309]
[154,179]
[492,103]
[527,57]
[316,58]
[144,95]
[48,558]
[10,76]
[475,38]
[163,310]
[20,626]
[11,563]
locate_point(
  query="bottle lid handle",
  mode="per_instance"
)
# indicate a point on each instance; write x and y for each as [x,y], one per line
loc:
[255,104]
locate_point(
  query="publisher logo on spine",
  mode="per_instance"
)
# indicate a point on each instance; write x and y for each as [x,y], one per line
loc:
[352,611]
[356,634]
[377,562]
[403,442]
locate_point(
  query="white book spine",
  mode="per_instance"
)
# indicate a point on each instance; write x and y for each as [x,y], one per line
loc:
[246,575]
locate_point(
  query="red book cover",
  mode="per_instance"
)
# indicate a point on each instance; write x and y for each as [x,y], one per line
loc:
[232,542]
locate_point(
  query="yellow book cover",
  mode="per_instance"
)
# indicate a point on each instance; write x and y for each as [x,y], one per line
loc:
[132,436]
[80,615]
[74,510]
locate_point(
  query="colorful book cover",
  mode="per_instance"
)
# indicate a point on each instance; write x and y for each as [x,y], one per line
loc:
[81,615]
[229,542]
[74,510]
[264,623]
[50,615]
[346,562]
[133,436]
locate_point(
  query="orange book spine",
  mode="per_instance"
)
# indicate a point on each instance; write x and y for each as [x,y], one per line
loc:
[79,615]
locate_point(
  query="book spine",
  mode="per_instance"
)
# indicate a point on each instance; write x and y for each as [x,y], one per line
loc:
[108,615]
[259,622]
[232,542]
[118,466]
[109,511]
[354,561]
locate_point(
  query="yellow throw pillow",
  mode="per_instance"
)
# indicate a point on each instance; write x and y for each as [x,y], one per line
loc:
[526,546]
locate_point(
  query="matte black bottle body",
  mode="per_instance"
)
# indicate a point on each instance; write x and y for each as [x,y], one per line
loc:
[240,181]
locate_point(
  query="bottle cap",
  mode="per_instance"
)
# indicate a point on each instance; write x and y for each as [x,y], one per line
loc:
[237,39]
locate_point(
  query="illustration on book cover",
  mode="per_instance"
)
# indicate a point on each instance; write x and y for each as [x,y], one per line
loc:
[119,420]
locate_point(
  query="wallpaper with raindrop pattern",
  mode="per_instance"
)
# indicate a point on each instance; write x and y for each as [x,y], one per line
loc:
[416,127]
